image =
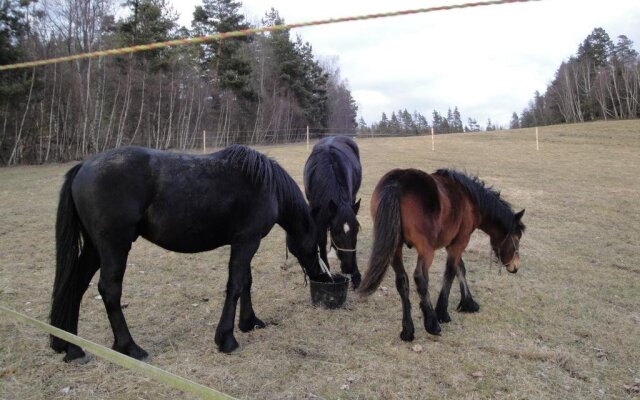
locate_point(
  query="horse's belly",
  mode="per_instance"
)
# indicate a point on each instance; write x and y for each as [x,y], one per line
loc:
[188,243]
[184,237]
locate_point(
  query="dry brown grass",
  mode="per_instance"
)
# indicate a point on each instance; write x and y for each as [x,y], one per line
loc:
[567,325]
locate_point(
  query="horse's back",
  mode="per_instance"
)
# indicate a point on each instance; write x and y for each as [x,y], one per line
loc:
[433,207]
[344,143]
[182,202]
[416,184]
[335,153]
[113,181]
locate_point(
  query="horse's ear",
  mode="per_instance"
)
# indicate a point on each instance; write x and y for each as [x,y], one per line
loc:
[519,215]
[356,206]
[333,208]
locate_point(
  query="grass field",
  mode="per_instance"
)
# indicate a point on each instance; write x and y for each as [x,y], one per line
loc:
[566,326]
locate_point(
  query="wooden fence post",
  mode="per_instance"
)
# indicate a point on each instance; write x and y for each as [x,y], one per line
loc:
[433,148]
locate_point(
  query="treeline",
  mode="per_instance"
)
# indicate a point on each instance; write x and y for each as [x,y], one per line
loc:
[403,123]
[600,82]
[260,89]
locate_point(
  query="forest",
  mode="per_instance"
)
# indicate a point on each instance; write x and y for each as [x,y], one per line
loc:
[265,88]
[600,82]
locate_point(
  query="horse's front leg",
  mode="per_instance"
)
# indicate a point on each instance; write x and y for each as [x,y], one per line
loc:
[467,304]
[421,277]
[402,284]
[322,245]
[239,278]
[443,298]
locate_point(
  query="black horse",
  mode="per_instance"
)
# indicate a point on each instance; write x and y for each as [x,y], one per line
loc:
[183,203]
[332,177]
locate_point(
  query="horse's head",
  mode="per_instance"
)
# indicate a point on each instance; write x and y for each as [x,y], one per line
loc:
[507,250]
[343,229]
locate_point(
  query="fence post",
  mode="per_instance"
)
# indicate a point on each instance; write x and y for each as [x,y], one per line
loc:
[433,148]
[204,141]
[537,146]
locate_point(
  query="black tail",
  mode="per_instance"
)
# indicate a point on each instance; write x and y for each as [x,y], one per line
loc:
[387,236]
[68,245]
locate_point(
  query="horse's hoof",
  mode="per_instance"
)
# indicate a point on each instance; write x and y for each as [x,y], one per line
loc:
[255,323]
[406,336]
[132,350]
[443,316]
[355,281]
[79,361]
[139,354]
[228,345]
[58,345]
[433,328]
[469,306]
[76,355]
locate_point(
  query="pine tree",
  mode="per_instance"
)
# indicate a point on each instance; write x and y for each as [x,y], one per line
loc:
[150,21]
[596,48]
[394,124]
[420,122]
[623,51]
[473,125]
[408,124]
[437,122]
[383,126]
[515,121]
[14,26]
[457,121]
[223,60]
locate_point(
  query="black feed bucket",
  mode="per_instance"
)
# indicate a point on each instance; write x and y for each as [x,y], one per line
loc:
[330,294]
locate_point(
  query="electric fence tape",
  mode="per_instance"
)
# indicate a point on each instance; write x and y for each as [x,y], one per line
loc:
[248,32]
[122,360]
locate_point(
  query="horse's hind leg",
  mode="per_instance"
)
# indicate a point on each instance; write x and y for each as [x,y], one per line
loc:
[467,304]
[88,264]
[239,279]
[402,284]
[248,320]
[114,262]
[421,277]
[443,298]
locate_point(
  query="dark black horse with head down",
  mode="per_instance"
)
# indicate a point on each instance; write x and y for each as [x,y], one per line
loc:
[183,203]
[332,177]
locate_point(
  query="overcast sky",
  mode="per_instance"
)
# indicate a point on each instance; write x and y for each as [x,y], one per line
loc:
[487,61]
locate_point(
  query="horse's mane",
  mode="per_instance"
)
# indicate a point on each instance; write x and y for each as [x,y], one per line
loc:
[323,165]
[264,171]
[488,199]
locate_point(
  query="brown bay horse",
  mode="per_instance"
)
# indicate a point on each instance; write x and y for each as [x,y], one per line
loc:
[428,212]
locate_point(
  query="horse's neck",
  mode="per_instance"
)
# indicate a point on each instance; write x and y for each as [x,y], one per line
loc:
[295,219]
[491,228]
[341,173]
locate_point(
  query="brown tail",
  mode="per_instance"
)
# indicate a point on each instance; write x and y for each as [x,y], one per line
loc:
[387,235]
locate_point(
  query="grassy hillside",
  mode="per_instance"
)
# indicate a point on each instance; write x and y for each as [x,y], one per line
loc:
[566,326]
